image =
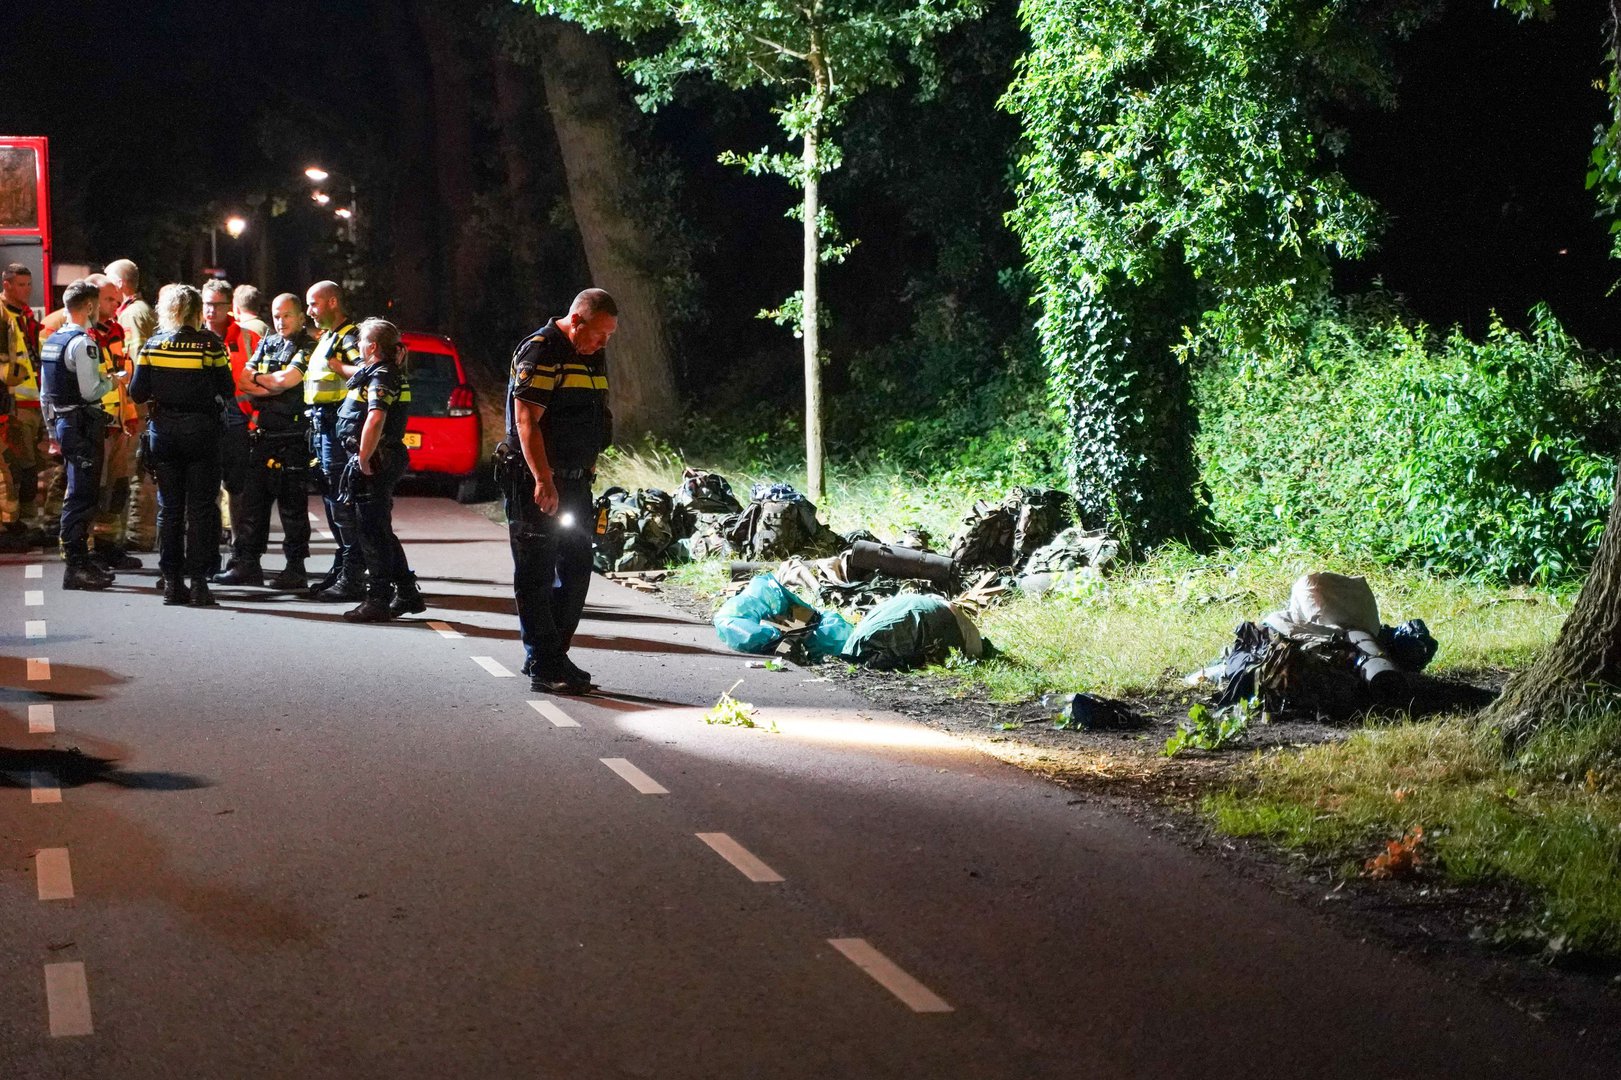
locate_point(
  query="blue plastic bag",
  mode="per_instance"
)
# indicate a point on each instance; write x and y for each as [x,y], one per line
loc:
[740,622]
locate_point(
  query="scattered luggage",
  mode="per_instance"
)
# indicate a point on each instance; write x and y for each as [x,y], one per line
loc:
[912,630]
[766,618]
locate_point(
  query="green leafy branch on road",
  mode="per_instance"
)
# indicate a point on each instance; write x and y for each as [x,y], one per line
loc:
[734,713]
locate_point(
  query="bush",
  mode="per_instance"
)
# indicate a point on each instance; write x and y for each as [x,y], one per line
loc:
[1379,439]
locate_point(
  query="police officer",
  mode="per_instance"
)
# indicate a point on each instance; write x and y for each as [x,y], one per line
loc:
[183,376]
[335,359]
[557,423]
[278,462]
[371,424]
[71,384]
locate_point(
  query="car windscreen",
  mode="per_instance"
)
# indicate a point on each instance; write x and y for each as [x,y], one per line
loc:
[433,376]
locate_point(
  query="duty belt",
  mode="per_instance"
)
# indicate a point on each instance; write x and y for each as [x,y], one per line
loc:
[571,474]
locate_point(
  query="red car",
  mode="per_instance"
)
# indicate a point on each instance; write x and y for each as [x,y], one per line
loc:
[443,435]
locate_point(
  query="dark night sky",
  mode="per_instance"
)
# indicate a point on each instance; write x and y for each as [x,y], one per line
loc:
[153,106]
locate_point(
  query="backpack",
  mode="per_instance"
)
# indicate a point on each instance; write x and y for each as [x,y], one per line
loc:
[780,522]
[701,493]
[634,532]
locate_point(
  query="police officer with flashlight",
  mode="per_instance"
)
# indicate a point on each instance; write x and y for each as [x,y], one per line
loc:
[557,423]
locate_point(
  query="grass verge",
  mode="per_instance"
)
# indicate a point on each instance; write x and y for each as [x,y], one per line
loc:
[1546,819]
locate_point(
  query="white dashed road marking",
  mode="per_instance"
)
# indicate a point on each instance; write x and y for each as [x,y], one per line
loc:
[33,570]
[635,777]
[54,874]
[444,630]
[34,598]
[39,669]
[41,719]
[34,629]
[557,716]
[740,857]
[67,999]
[488,663]
[43,788]
[885,973]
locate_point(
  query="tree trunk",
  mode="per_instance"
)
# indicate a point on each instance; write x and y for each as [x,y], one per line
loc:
[1585,656]
[512,109]
[414,285]
[589,114]
[809,329]
[453,157]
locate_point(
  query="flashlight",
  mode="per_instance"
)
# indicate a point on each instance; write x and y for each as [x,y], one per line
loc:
[566,520]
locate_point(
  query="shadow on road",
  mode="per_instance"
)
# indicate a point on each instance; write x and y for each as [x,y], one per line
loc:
[71,769]
[645,645]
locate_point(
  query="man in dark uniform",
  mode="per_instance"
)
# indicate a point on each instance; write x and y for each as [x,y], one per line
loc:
[71,384]
[279,458]
[557,423]
[183,376]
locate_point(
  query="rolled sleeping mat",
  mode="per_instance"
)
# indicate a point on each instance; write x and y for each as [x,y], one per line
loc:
[1376,669]
[900,562]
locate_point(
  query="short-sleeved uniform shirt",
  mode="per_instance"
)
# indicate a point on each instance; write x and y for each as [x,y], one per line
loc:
[571,389]
[283,411]
[185,370]
[377,385]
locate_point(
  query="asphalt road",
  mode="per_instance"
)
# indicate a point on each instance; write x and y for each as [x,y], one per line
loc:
[324,850]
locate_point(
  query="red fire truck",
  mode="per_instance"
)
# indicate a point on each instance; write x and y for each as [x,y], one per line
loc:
[25,208]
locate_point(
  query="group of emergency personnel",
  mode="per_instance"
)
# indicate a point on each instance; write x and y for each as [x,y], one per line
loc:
[162,408]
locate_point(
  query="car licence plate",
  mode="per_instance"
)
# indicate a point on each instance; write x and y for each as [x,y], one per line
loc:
[413,440]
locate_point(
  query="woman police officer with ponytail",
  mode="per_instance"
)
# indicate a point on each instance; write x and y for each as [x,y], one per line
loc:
[372,420]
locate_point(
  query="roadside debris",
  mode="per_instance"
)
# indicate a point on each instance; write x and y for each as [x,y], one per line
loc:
[913,630]
[1325,653]
[1089,712]
[730,712]
[1400,858]
[765,618]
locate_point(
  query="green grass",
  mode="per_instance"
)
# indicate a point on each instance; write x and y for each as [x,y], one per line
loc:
[1546,819]
[1145,625]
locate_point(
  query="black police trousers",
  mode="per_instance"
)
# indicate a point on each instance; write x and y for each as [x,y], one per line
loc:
[331,456]
[551,564]
[80,434]
[277,476]
[184,451]
[384,554]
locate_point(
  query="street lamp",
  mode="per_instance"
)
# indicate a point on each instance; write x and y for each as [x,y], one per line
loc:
[235,225]
[346,214]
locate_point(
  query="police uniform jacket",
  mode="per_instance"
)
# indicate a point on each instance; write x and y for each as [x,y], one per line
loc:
[322,385]
[183,370]
[378,385]
[283,411]
[576,423]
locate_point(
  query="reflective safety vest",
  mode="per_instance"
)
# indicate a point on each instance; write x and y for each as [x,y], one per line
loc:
[26,388]
[322,385]
[110,336]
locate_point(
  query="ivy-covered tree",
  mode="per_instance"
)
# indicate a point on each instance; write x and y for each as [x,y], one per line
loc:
[816,56]
[1178,183]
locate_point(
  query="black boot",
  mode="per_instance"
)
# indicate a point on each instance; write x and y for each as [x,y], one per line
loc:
[293,578]
[344,589]
[86,576]
[175,593]
[242,572]
[408,599]
[370,610]
[200,596]
[328,581]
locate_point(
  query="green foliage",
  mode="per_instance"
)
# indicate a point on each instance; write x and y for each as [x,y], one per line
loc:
[730,712]
[1177,183]
[1379,439]
[1211,729]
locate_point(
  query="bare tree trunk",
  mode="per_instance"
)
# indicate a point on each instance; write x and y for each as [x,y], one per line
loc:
[415,286]
[1585,656]
[453,157]
[809,329]
[589,112]
[512,106]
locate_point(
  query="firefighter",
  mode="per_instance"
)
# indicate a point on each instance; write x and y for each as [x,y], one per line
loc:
[279,458]
[26,436]
[111,529]
[138,322]
[183,377]
[557,423]
[72,382]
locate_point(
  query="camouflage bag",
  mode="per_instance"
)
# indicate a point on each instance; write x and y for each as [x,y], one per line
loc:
[778,523]
[997,535]
[701,494]
[634,532]
[1040,515]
